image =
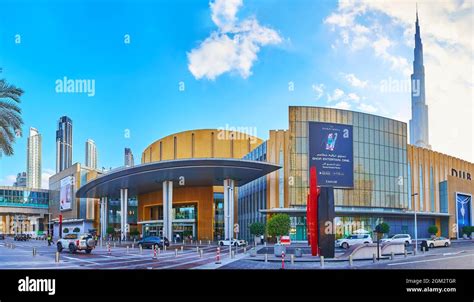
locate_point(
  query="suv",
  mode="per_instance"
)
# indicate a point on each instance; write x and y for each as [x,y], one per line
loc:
[234,242]
[353,239]
[402,238]
[75,242]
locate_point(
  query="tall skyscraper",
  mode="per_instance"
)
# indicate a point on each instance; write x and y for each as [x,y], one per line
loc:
[419,127]
[34,160]
[91,154]
[20,180]
[64,144]
[129,161]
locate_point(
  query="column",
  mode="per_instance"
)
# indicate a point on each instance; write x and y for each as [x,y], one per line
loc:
[106,213]
[123,212]
[229,208]
[167,209]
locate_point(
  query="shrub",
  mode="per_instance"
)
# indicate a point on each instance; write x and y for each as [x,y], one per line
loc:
[383,228]
[433,230]
[257,229]
[76,230]
[467,230]
[65,230]
[279,225]
[110,230]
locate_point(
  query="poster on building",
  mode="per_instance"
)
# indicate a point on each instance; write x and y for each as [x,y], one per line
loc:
[331,152]
[66,192]
[463,211]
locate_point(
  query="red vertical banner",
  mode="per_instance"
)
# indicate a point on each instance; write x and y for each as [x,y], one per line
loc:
[312,212]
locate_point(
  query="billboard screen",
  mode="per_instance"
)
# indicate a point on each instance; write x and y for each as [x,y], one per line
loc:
[463,208]
[66,193]
[331,152]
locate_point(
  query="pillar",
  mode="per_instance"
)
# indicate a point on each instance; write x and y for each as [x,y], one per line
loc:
[168,209]
[123,212]
[229,208]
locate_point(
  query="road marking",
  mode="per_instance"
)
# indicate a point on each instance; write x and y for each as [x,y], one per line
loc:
[429,260]
[79,259]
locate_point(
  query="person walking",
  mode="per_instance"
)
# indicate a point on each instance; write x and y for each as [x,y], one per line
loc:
[49,239]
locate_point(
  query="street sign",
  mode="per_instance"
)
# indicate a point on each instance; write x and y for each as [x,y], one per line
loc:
[285,240]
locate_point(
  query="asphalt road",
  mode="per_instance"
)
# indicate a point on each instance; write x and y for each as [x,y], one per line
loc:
[21,257]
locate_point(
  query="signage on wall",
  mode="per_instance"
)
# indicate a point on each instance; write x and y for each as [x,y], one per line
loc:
[461,174]
[331,152]
[463,211]
[66,194]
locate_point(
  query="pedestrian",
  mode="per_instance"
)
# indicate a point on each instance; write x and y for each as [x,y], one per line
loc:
[49,239]
[177,238]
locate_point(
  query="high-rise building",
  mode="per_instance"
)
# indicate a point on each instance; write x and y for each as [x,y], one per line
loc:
[20,180]
[91,154]
[419,128]
[64,144]
[128,160]
[34,159]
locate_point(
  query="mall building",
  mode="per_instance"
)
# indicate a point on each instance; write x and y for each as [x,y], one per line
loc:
[210,183]
[23,210]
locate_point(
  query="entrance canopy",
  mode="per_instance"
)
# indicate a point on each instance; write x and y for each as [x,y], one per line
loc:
[149,177]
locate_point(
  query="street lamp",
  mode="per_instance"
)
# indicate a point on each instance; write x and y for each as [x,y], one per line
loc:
[416,227]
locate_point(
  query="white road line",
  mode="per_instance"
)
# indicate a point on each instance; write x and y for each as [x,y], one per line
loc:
[430,260]
[79,259]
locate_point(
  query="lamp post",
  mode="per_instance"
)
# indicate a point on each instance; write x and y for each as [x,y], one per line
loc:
[416,227]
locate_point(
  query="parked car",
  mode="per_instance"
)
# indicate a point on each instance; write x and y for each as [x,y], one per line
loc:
[21,237]
[233,242]
[438,241]
[75,242]
[402,238]
[153,241]
[353,239]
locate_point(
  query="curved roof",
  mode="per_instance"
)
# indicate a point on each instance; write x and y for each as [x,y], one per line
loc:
[196,172]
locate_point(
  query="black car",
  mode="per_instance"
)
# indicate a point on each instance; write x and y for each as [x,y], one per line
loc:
[21,237]
[153,241]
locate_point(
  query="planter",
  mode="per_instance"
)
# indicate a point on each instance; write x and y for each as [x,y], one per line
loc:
[278,249]
[257,239]
[253,253]
[298,252]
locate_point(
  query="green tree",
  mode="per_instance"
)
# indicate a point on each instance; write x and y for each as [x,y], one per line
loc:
[110,230]
[76,230]
[433,230]
[66,230]
[257,228]
[10,116]
[278,225]
[382,228]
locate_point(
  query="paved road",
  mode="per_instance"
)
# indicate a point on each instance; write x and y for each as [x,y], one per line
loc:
[458,256]
[21,257]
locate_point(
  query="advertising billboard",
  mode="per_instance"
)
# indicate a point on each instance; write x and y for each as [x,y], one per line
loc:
[66,193]
[331,152]
[463,211]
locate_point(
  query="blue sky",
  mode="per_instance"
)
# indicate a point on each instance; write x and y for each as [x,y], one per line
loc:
[137,84]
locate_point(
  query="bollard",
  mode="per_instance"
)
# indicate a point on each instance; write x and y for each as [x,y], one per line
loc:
[230,251]
[200,253]
[164,247]
[127,249]
[176,252]
[245,249]
[292,258]
[374,258]
[392,256]
[56,259]
[141,248]
[405,253]
[134,241]
[159,250]
[322,261]
[108,247]
[282,260]
[199,241]
[197,249]
[209,242]
[114,244]
[265,244]
[182,247]
[175,241]
[350,260]
[266,257]
[232,255]
[218,256]
[34,251]
[154,253]
[133,246]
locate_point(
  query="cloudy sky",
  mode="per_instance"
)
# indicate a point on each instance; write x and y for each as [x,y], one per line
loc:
[162,67]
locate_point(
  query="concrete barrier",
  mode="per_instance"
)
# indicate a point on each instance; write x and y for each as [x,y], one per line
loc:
[389,248]
[360,251]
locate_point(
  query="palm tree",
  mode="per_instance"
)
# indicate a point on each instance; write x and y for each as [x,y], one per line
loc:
[10,116]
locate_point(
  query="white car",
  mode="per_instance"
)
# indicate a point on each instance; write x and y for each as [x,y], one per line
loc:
[438,241]
[401,238]
[353,239]
[233,242]
[75,242]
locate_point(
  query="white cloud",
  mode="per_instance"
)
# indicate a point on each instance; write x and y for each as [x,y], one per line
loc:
[233,46]
[367,108]
[354,81]
[319,90]
[353,97]
[47,173]
[336,95]
[8,180]
[342,105]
